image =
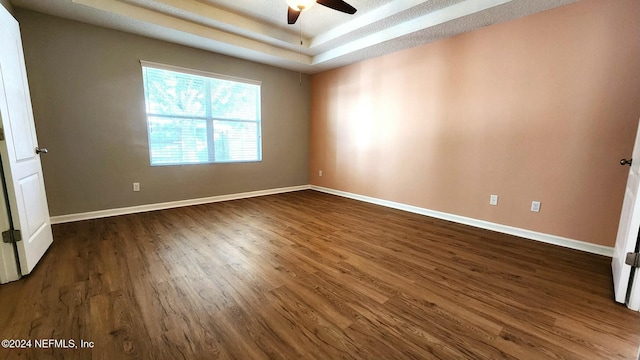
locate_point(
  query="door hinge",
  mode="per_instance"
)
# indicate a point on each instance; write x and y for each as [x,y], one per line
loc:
[11,236]
[633,259]
[1,134]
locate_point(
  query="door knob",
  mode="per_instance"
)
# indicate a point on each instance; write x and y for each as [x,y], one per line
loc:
[41,151]
[626,162]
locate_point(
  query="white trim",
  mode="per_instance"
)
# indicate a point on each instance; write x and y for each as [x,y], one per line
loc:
[528,234]
[172,204]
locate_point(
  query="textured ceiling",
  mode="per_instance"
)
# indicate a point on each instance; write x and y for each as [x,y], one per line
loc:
[257,29]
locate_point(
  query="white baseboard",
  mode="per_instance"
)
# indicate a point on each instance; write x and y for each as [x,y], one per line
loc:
[528,234]
[172,204]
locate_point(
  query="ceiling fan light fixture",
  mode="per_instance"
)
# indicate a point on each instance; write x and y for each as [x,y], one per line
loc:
[300,5]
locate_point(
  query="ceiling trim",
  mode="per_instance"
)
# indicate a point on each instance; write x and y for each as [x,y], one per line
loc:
[281,44]
[223,37]
[438,17]
[369,18]
[232,22]
[256,30]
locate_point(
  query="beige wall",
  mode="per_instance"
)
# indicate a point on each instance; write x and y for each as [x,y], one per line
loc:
[88,101]
[540,108]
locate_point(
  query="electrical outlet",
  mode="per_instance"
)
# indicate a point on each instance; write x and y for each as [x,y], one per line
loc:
[493,200]
[535,206]
[320,173]
[136,186]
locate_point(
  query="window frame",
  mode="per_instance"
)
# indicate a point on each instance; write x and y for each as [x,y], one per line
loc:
[208,118]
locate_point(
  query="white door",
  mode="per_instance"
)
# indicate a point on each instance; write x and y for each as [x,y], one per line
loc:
[627,229]
[20,162]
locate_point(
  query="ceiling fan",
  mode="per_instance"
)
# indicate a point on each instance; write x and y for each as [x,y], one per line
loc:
[297,6]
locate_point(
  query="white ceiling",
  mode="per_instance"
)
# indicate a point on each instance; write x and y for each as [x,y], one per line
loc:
[257,29]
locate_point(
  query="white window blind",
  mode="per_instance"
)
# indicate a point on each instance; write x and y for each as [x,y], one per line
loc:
[198,117]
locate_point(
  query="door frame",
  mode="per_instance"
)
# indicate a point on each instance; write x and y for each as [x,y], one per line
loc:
[8,252]
[9,270]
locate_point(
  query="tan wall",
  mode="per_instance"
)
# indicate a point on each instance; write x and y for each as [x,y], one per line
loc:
[88,100]
[540,108]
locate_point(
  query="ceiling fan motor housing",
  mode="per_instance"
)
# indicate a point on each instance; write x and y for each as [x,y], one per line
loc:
[300,5]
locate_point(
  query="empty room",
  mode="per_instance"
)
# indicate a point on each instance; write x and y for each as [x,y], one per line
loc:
[319,179]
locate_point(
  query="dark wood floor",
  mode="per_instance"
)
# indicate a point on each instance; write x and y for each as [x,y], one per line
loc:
[307,275]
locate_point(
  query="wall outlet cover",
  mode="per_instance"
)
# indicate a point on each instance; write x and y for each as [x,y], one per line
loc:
[535,206]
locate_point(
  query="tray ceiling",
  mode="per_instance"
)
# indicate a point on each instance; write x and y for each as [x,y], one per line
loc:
[257,30]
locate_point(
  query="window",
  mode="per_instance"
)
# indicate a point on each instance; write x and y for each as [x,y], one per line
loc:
[195,117]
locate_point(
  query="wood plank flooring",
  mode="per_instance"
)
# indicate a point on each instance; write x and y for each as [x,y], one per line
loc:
[307,275]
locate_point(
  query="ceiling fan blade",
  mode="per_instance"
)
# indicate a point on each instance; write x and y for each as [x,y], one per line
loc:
[292,15]
[338,5]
